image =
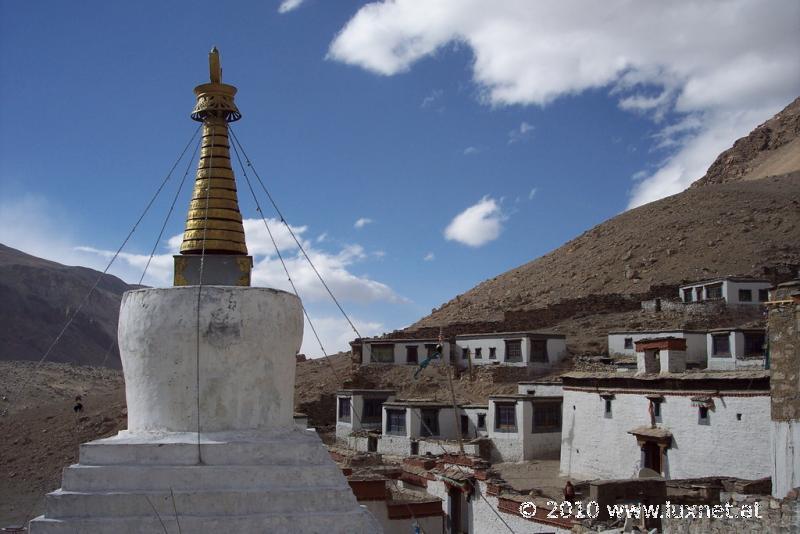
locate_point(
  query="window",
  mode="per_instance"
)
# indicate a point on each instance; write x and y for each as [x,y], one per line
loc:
[514,350]
[687,294]
[539,350]
[411,354]
[430,348]
[478,354]
[628,342]
[763,295]
[753,344]
[396,422]
[702,415]
[464,354]
[492,353]
[429,425]
[383,353]
[505,417]
[714,291]
[745,295]
[372,411]
[699,292]
[546,416]
[607,406]
[656,407]
[481,421]
[344,409]
[720,345]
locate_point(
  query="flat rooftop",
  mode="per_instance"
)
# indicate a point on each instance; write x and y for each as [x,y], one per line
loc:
[715,381]
[528,333]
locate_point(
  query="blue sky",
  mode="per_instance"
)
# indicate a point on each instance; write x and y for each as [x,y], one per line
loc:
[468,137]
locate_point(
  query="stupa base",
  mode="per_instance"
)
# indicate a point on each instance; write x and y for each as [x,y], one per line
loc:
[281,481]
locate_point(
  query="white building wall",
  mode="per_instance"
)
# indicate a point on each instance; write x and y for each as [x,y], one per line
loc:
[401,526]
[556,351]
[400,352]
[484,511]
[595,446]
[736,359]
[730,290]
[472,414]
[394,445]
[785,438]
[696,345]
[540,390]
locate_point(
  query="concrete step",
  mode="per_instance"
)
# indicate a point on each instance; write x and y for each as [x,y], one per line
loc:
[124,478]
[356,521]
[67,504]
[113,451]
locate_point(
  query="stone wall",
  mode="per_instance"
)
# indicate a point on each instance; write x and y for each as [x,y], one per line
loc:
[784,354]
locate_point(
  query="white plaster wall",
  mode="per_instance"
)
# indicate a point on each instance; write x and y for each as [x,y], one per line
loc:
[540,390]
[400,351]
[737,358]
[696,345]
[509,446]
[541,445]
[249,337]
[556,351]
[484,520]
[785,440]
[730,291]
[472,415]
[594,446]
[437,448]
[394,445]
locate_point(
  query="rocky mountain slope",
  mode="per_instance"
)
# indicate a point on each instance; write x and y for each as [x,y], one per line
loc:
[733,221]
[36,298]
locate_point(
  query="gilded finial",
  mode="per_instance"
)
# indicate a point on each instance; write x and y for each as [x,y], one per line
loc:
[215,70]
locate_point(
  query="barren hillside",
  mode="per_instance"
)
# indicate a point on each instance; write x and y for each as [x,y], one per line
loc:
[36,298]
[733,225]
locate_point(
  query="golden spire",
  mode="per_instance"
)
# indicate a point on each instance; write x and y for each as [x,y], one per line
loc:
[214,209]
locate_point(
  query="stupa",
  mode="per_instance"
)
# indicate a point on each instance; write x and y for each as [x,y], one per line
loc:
[209,366]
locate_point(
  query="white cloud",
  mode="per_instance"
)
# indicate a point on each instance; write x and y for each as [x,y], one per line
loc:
[335,334]
[727,65]
[322,237]
[362,222]
[532,193]
[431,99]
[430,256]
[289,5]
[478,224]
[520,133]
[470,150]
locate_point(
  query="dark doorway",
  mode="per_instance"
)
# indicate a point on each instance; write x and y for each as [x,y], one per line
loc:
[454,510]
[372,444]
[652,456]
[414,448]
[412,356]
[464,425]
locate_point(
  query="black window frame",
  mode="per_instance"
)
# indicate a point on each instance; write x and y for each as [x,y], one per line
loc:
[715,338]
[516,343]
[429,422]
[341,415]
[409,350]
[763,295]
[751,339]
[546,412]
[539,351]
[500,414]
[492,353]
[628,343]
[478,353]
[372,411]
[464,353]
[372,358]
[713,291]
[394,416]
[481,424]
[745,292]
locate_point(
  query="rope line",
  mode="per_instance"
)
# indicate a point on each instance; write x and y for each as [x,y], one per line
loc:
[111,262]
[171,209]
[291,232]
[308,259]
[200,291]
